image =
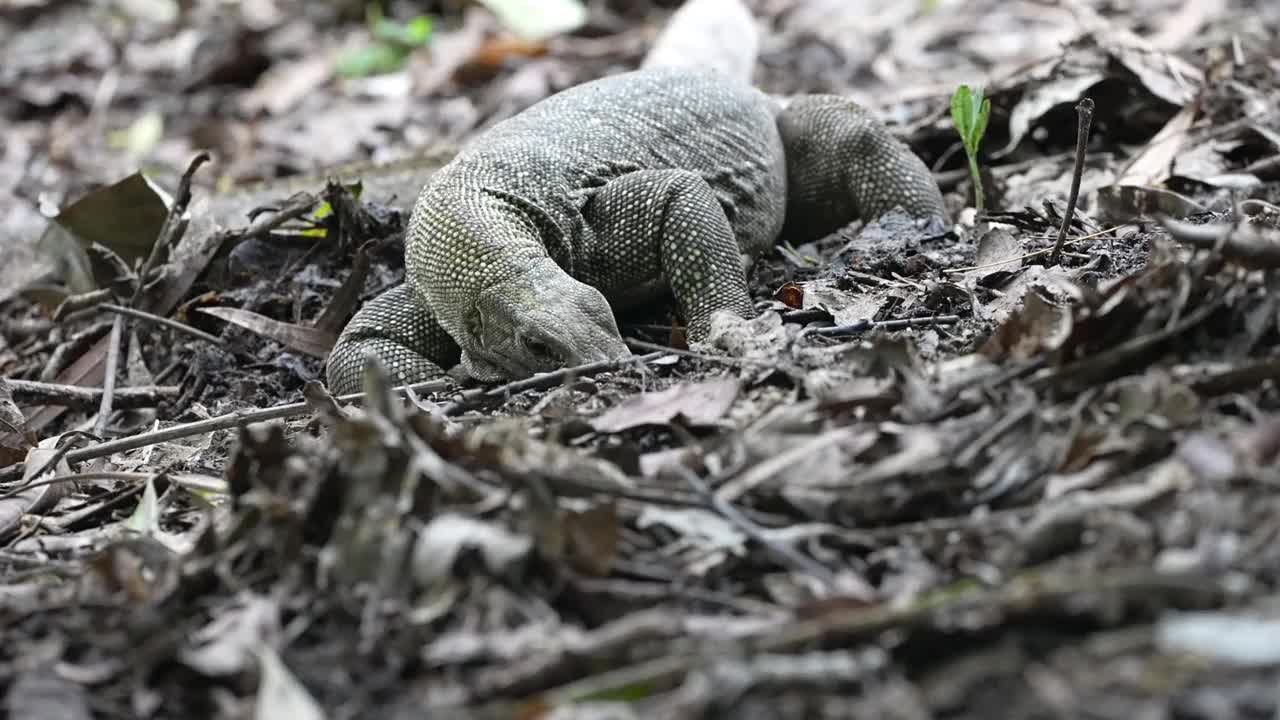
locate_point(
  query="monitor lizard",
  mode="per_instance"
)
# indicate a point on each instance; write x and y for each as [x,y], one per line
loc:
[609,194]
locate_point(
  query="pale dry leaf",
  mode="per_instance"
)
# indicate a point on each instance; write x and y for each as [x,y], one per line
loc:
[998,252]
[702,403]
[1040,326]
[592,537]
[285,85]
[447,536]
[280,695]
[227,644]
[1153,163]
[539,19]
[309,340]
[1041,99]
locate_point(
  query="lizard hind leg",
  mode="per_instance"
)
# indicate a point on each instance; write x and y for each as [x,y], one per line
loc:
[665,225]
[843,164]
[402,332]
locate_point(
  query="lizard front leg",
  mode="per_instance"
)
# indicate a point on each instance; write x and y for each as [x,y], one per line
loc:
[402,332]
[665,227]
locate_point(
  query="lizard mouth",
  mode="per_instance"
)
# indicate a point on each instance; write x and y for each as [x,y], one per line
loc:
[538,321]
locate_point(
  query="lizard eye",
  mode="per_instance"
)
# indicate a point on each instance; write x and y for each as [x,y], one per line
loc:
[536,347]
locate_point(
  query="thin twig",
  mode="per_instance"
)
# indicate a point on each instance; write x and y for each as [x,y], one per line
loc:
[1041,592]
[637,344]
[1112,357]
[158,320]
[30,391]
[1084,109]
[109,377]
[543,380]
[1027,256]
[221,422]
[173,223]
[295,207]
[898,324]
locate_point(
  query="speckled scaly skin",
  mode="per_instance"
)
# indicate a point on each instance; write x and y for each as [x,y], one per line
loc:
[606,195]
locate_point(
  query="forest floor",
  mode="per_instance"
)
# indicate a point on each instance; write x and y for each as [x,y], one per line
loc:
[944,474]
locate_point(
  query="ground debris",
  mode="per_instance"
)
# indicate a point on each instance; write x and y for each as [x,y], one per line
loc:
[942,473]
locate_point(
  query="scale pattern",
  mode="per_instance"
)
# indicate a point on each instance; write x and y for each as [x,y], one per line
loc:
[609,194]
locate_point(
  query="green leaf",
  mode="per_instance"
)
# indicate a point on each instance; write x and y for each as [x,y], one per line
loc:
[374,59]
[979,109]
[392,45]
[970,112]
[414,33]
[960,105]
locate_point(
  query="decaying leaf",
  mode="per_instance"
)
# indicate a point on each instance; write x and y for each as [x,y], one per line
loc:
[1040,326]
[592,537]
[1132,203]
[124,217]
[40,497]
[701,403]
[998,253]
[312,341]
[15,439]
[1102,53]
[1152,164]
[230,642]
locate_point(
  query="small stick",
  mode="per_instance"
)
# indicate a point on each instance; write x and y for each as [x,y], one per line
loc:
[1084,109]
[862,325]
[30,391]
[173,224]
[221,422]
[638,344]
[167,322]
[109,377]
[542,381]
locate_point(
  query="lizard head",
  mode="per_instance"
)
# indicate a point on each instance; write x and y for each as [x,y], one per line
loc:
[538,321]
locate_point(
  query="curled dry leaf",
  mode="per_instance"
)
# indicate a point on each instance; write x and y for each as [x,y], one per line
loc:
[124,217]
[15,439]
[592,537]
[791,294]
[1040,326]
[999,253]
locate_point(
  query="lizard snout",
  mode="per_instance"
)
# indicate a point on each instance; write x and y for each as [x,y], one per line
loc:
[544,320]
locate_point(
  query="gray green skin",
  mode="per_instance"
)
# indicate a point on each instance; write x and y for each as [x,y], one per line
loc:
[613,193]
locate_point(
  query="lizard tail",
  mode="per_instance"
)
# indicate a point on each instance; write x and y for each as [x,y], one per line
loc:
[719,35]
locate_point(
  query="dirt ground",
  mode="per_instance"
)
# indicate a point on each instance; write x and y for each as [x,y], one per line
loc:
[948,472]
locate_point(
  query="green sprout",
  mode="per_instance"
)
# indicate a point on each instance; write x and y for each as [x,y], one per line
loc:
[392,44]
[969,112]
